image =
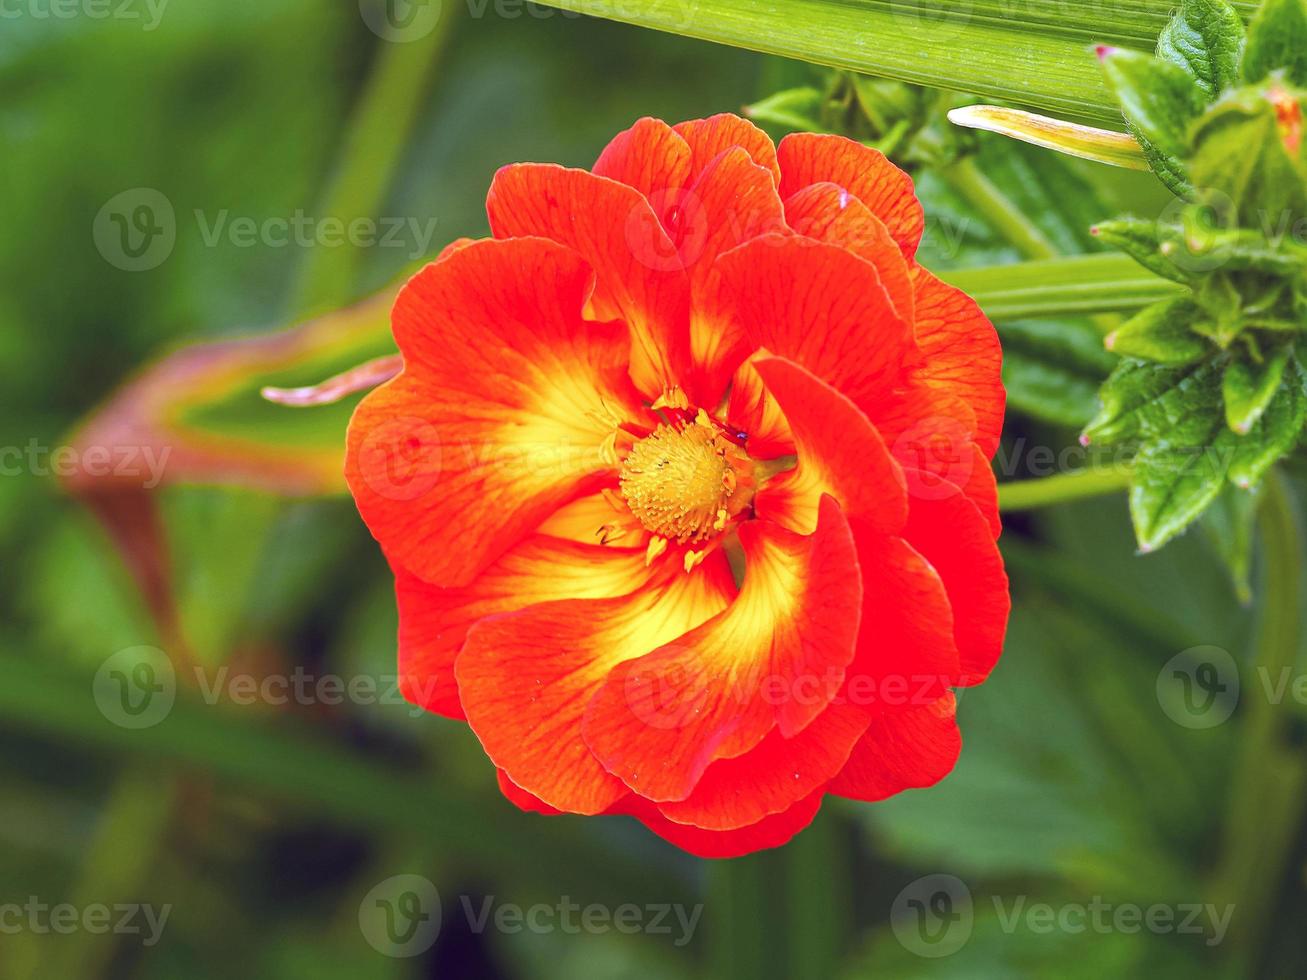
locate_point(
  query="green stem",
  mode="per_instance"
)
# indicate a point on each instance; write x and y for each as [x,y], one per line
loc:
[1076,285]
[1268,784]
[374,143]
[998,210]
[1092,481]
[820,899]
[744,912]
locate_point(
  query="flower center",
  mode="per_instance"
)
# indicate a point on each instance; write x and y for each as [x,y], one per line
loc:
[684,482]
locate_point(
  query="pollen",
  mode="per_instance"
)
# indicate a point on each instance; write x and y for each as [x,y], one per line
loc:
[685,482]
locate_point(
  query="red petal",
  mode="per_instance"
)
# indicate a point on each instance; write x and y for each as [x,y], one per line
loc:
[809,158]
[526,677]
[717,134]
[776,656]
[906,651]
[960,354]
[649,156]
[905,750]
[840,454]
[523,800]
[774,776]
[499,415]
[831,214]
[952,534]
[769,832]
[433,622]
[819,306]
[639,276]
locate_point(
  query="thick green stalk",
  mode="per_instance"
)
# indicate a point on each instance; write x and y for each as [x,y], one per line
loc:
[1268,786]
[1073,286]
[997,209]
[1092,481]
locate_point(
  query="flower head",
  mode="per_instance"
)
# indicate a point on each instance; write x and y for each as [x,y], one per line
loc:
[685,485]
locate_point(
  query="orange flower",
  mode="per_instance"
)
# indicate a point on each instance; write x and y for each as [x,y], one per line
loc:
[685,485]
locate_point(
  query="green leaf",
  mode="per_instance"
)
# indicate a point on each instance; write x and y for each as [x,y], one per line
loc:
[1150,243]
[1052,370]
[1162,332]
[1160,102]
[1273,435]
[1132,400]
[1035,59]
[1176,478]
[1241,166]
[1277,39]
[1205,39]
[795,108]
[1248,387]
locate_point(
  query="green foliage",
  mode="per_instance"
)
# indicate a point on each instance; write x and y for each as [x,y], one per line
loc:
[1277,41]
[1205,38]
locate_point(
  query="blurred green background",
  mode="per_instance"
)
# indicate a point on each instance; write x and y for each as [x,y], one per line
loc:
[266,830]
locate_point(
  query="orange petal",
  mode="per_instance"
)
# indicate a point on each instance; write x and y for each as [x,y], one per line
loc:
[774,776]
[960,353]
[905,750]
[733,201]
[906,651]
[523,800]
[499,415]
[709,137]
[953,535]
[769,832]
[638,270]
[433,622]
[775,657]
[831,214]
[753,410]
[818,305]
[840,454]
[525,678]
[649,156]
[810,158]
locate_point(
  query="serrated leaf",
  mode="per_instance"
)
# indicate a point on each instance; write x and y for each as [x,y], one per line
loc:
[1277,39]
[1178,472]
[1162,333]
[1132,399]
[1248,387]
[1241,167]
[1273,435]
[1160,102]
[1150,243]
[1205,39]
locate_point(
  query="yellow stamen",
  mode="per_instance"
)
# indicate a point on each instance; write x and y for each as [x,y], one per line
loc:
[683,482]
